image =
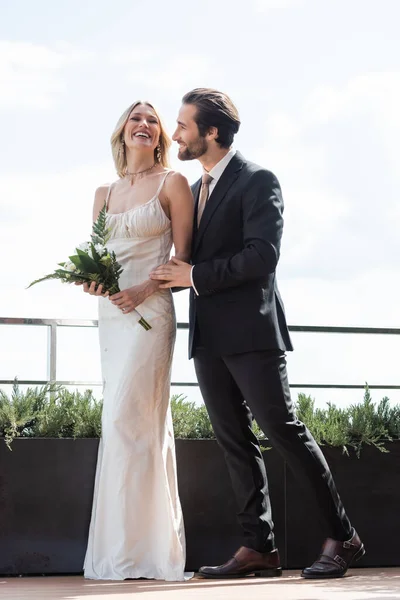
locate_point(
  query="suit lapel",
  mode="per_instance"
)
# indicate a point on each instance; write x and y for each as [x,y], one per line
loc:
[225,182]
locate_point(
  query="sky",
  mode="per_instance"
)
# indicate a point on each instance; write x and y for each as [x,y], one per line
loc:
[317,85]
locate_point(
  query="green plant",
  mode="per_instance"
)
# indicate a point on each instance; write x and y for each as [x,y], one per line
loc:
[71,414]
[366,426]
[20,412]
[48,411]
[359,424]
[54,411]
[328,426]
[190,421]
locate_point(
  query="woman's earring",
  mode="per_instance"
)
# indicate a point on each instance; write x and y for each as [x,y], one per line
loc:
[158,153]
[121,149]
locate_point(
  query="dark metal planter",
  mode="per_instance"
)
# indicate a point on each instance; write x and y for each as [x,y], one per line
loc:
[46,488]
[370,489]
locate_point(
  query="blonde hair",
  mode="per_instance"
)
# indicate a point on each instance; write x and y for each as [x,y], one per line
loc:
[118,146]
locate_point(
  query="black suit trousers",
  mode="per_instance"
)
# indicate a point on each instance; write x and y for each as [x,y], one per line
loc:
[237,387]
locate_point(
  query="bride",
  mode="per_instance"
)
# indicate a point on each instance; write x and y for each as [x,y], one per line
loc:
[136,528]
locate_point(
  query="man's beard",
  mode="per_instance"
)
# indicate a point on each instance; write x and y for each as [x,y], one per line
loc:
[195,150]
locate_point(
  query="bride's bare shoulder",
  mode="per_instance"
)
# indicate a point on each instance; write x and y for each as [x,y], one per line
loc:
[102,191]
[100,197]
[175,176]
[176,182]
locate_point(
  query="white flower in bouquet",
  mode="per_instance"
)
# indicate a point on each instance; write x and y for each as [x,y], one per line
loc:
[69,266]
[85,246]
[100,249]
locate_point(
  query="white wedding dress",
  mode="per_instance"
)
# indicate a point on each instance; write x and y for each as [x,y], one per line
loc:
[137,527]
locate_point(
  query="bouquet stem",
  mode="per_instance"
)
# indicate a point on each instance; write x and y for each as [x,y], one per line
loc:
[142,321]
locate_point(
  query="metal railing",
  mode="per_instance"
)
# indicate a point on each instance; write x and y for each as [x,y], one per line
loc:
[54,324]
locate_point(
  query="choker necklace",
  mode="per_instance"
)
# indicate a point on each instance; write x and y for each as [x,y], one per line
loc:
[132,175]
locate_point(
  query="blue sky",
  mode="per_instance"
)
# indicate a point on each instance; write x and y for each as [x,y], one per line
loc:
[317,85]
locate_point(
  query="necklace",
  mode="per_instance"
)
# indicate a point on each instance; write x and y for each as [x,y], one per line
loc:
[131,175]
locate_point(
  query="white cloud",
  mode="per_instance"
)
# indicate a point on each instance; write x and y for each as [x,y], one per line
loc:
[30,74]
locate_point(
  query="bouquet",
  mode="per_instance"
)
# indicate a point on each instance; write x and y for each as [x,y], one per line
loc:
[93,262]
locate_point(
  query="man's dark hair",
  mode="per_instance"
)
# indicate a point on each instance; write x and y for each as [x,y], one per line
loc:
[214,109]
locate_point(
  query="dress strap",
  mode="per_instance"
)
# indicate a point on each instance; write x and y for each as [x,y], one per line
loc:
[108,196]
[162,182]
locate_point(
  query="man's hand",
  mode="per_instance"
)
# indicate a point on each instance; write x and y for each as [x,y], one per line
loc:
[175,273]
[129,299]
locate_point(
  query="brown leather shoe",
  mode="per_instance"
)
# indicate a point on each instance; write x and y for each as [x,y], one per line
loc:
[246,562]
[335,558]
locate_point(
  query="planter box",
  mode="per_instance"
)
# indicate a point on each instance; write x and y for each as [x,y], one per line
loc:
[46,488]
[370,489]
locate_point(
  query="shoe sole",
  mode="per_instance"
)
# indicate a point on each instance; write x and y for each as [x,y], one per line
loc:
[263,573]
[358,555]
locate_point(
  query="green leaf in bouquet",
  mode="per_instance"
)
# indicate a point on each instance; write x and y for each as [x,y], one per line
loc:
[63,275]
[117,269]
[95,254]
[75,259]
[89,265]
[95,277]
[73,275]
[45,278]
[100,232]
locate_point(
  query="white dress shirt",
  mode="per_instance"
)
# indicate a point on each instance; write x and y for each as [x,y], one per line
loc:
[215,173]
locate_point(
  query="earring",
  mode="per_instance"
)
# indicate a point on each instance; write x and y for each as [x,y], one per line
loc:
[158,150]
[121,149]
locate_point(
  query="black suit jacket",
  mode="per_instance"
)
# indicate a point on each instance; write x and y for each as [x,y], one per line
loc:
[235,253]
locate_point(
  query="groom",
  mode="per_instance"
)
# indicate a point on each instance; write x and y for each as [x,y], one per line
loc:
[238,338]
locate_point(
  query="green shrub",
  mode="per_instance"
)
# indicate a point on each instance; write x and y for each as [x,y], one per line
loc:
[48,411]
[71,415]
[20,412]
[390,417]
[328,426]
[190,421]
[363,423]
[53,411]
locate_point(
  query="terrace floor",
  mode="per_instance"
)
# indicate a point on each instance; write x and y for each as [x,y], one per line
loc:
[359,584]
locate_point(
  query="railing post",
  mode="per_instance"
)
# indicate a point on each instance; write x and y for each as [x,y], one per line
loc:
[52,353]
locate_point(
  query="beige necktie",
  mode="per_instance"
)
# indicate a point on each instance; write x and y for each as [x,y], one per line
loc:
[204,191]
